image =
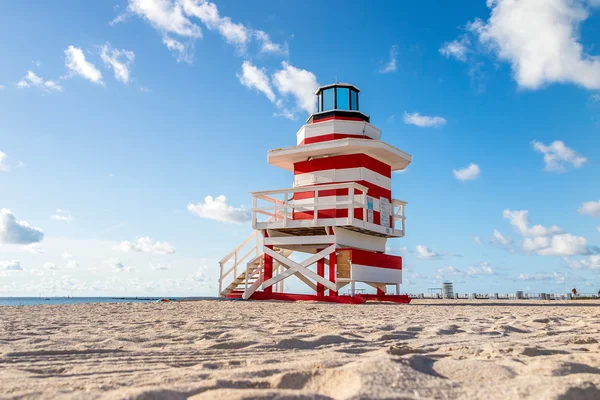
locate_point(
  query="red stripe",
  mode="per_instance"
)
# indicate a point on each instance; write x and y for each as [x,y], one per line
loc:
[338,117]
[336,213]
[372,259]
[363,160]
[343,162]
[331,136]
[374,191]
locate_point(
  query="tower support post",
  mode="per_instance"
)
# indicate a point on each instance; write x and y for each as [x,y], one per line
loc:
[321,273]
[332,271]
[268,269]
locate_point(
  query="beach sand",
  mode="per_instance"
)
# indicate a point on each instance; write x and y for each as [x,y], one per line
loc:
[482,349]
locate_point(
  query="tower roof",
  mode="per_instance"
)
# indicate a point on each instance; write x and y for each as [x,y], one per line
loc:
[337,84]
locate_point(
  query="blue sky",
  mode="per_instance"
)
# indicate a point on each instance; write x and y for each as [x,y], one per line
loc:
[125,115]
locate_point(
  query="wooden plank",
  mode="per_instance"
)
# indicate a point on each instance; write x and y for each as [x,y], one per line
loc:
[343,264]
[287,240]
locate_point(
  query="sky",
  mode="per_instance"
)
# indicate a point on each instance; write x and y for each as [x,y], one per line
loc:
[133,131]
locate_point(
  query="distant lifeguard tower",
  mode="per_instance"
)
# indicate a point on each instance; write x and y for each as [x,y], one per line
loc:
[339,212]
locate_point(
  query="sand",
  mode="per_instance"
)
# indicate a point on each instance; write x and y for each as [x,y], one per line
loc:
[481,349]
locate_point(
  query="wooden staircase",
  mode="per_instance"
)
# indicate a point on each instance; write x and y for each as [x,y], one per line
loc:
[251,276]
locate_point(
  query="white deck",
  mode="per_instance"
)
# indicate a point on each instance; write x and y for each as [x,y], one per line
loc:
[273,209]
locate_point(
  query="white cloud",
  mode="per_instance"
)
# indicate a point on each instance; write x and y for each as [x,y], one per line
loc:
[118,266]
[64,284]
[448,272]
[13,231]
[36,272]
[217,209]
[77,64]
[557,156]
[70,262]
[233,33]
[300,84]
[592,262]
[483,268]
[391,65]
[62,215]
[477,240]
[164,15]
[423,121]
[556,245]
[3,166]
[13,265]
[1,87]
[456,48]
[555,276]
[540,40]
[175,18]
[498,237]
[182,52]
[267,46]
[256,78]
[466,174]
[51,266]
[591,208]
[32,80]
[545,241]
[520,220]
[146,245]
[119,60]
[159,267]
[426,253]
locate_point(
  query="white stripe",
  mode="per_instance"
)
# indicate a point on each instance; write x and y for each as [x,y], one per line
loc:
[343,175]
[338,126]
[367,273]
[332,200]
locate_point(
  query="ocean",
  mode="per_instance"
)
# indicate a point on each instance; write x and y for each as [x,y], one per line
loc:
[33,301]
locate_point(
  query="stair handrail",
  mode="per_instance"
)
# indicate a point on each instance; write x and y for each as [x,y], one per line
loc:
[237,259]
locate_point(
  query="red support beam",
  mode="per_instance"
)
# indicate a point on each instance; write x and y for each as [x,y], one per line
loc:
[299,297]
[380,292]
[332,271]
[358,299]
[321,272]
[268,270]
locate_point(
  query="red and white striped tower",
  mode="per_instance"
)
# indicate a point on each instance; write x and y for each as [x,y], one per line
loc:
[340,211]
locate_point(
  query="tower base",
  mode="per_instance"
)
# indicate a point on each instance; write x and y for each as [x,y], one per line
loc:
[357,299]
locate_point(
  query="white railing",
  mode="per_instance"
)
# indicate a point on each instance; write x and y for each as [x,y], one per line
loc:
[274,209]
[251,246]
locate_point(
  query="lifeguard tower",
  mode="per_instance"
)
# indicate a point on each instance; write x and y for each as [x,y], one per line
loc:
[339,213]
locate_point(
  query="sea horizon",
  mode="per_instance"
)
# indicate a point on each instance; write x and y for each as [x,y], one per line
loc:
[61,300]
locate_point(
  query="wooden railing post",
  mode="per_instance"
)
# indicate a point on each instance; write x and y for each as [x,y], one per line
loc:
[351,205]
[285,208]
[235,264]
[316,207]
[221,279]
[364,200]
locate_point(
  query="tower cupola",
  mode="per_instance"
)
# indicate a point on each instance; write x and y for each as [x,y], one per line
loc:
[338,100]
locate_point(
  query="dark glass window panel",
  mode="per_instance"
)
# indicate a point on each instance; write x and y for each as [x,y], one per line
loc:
[354,100]
[328,99]
[343,98]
